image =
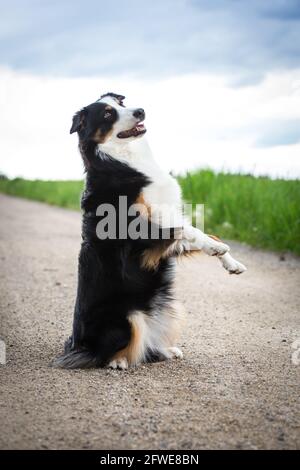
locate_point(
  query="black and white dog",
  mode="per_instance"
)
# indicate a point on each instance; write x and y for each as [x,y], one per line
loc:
[125,312]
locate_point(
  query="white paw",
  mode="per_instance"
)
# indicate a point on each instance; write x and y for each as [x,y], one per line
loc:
[231,265]
[174,353]
[120,363]
[214,248]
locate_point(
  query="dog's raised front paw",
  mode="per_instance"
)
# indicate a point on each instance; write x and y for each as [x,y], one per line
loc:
[214,248]
[231,265]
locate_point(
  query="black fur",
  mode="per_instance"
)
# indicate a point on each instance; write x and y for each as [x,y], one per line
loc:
[119,98]
[111,280]
[93,118]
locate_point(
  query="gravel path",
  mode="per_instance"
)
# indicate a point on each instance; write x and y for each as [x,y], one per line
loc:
[235,388]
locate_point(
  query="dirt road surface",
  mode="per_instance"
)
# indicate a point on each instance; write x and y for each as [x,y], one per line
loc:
[237,386]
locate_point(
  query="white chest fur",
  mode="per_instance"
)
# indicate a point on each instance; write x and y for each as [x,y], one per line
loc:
[163,194]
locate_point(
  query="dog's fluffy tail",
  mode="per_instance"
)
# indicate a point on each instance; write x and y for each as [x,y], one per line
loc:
[75,360]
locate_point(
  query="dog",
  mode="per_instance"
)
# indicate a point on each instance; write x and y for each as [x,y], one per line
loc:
[125,311]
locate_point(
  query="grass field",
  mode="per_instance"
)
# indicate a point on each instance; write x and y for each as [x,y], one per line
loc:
[259,211]
[58,193]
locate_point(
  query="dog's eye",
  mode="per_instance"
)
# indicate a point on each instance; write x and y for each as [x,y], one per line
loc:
[107,115]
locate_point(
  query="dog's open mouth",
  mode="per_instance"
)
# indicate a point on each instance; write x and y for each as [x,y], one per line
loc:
[139,129]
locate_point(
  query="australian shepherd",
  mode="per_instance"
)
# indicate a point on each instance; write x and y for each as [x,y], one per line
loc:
[125,311]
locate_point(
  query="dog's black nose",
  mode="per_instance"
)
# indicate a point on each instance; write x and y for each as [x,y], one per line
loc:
[139,113]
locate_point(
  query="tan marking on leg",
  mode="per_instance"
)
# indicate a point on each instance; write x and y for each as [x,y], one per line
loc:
[166,249]
[157,332]
[142,206]
[215,238]
[162,249]
[152,256]
[134,349]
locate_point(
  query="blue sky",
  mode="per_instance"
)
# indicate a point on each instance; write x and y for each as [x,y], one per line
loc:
[242,39]
[159,53]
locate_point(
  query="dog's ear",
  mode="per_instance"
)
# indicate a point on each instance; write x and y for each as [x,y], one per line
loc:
[119,98]
[78,121]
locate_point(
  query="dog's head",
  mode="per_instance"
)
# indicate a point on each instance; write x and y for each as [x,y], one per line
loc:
[108,119]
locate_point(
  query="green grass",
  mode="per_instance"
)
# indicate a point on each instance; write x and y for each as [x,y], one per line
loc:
[259,211]
[59,193]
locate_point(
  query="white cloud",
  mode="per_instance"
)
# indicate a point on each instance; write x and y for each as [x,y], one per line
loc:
[193,121]
[240,39]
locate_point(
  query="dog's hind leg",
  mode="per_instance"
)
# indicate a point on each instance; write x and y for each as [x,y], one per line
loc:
[153,337]
[164,329]
[108,341]
[163,354]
